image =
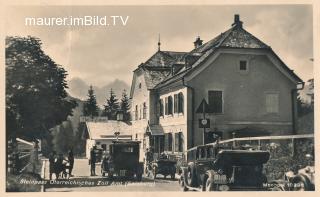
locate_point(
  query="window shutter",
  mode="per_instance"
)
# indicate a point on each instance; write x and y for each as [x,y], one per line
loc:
[170,105]
[215,101]
[176,142]
[272,103]
[180,103]
[170,142]
[180,142]
[175,103]
[166,141]
[166,106]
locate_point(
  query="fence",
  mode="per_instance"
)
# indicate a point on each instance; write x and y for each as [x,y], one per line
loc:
[19,152]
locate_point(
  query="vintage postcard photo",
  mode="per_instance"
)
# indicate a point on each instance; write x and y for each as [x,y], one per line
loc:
[150,98]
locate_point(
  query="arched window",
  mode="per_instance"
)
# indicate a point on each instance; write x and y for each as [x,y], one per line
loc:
[144,113]
[161,107]
[180,102]
[170,105]
[136,113]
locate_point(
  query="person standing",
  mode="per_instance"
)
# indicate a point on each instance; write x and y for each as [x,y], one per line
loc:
[52,158]
[92,161]
[71,161]
[59,165]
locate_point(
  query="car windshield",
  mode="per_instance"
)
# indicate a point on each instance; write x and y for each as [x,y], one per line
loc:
[127,149]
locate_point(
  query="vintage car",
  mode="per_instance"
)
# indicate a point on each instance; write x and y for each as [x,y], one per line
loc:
[123,161]
[302,180]
[211,168]
[162,166]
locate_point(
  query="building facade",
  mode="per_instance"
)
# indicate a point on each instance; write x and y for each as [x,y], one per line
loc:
[232,86]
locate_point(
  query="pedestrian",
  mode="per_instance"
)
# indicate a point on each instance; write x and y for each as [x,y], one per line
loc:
[52,158]
[92,161]
[71,162]
[59,165]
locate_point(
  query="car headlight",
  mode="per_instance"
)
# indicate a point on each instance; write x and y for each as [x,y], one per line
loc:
[224,187]
[220,171]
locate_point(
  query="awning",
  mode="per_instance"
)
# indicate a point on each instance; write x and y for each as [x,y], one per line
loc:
[155,130]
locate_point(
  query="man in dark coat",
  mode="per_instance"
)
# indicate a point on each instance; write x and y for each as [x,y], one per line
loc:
[92,161]
[71,161]
[52,167]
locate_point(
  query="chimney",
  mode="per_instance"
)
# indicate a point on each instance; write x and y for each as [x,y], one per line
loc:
[198,42]
[237,21]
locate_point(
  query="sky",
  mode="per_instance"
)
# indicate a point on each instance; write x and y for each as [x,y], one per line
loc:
[98,54]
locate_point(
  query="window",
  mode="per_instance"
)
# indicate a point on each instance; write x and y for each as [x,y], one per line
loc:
[144,116]
[178,142]
[161,107]
[215,101]
[176,101]
[168,141]
[136,113]
[243,65]
[180,103]
[272,103]
[158,142]
[104,147]
[140,112]
[170,105]
[140,85]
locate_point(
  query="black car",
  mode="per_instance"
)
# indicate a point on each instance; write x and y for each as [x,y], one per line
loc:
[211,168]
[123,160]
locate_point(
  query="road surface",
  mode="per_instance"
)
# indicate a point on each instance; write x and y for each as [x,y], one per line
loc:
[83,182]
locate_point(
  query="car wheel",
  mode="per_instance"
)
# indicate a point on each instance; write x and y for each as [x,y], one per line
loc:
[301,183]
[173,176]
[190,178]
[139,177]
[110,175]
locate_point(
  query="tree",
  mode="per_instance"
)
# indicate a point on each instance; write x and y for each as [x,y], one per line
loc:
[112,106]
[63,137]
[125,106]
[90,107]
[35,90]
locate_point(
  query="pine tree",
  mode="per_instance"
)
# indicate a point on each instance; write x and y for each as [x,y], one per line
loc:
[112,106]
[125,106]
[90,107]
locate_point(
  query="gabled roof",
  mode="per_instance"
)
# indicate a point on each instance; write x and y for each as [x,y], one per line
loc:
[235,37]
[164,59]
[102,130]
[158,67]
[154,76]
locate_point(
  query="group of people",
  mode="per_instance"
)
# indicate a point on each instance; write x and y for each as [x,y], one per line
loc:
[57,165]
